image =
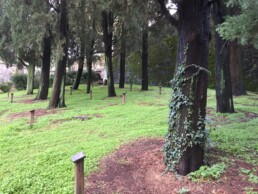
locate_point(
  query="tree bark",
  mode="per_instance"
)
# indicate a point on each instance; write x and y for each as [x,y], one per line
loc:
[61,102]
[122,59]
[44,78]
[107,24]
[61,59]
[89,53]
[238,88]
[80,69]
[192,55]
[223,77]
[145,55]
[30,79]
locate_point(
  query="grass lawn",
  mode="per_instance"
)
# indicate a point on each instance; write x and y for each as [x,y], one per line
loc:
[38,159]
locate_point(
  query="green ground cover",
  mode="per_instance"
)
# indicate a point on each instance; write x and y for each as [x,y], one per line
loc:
[38,159]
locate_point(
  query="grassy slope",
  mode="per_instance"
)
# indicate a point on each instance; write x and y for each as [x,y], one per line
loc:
[38,160]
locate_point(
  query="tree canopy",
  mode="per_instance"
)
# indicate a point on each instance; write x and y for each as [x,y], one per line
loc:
[243,26]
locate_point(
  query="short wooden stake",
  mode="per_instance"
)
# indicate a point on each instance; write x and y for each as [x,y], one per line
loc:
[91,95]
[131,86]
[78,160]
[11,97]
[160,90]
[32,114]
[123,98]
[71,90]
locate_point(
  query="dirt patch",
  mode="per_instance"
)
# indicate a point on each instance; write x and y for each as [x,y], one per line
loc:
[87,117]
[31,101]
[151,104]
[223,119]
[38,113]
[138,168]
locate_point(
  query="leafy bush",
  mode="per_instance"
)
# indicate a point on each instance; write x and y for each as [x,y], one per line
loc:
[5,86]
[206,173]
[20,81]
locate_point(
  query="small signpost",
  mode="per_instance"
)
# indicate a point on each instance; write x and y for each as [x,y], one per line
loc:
[160,90]
[78,160]
[123,98]
[11,97]
[32,115]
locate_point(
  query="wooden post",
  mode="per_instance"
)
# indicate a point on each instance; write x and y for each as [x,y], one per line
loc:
[91,95]
[8,94]
[123,98]
[71,90]
[131,86]
[32,114]
[11,97]
[159,90]
[78,160]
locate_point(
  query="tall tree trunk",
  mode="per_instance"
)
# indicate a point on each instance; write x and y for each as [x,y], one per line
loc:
[44,78]
[145,55]
[61,102]
[107,24]
[223,77]
[80,68]
[238,88]
[90,52]
[30,79]
[188,104]
[122,58]
[61,59]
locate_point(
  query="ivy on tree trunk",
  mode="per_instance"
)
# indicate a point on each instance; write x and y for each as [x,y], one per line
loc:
[185,140]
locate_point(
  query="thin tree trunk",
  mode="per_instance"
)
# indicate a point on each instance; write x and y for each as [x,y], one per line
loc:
[90,53]
[238,88]
[223,77]
[122,59]
[191,96]
[145,55]
[107,24]
[61,102]
[80,69]
[30,79]
[61,59]
[44,79]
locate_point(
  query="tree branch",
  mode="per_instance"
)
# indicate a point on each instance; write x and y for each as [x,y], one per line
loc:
[22,62]
[168,16]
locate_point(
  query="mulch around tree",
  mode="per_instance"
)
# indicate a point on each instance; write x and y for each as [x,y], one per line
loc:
[138,168]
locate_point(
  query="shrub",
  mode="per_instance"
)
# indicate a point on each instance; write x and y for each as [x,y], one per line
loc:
[20,81]
[5,86]
[207,173]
